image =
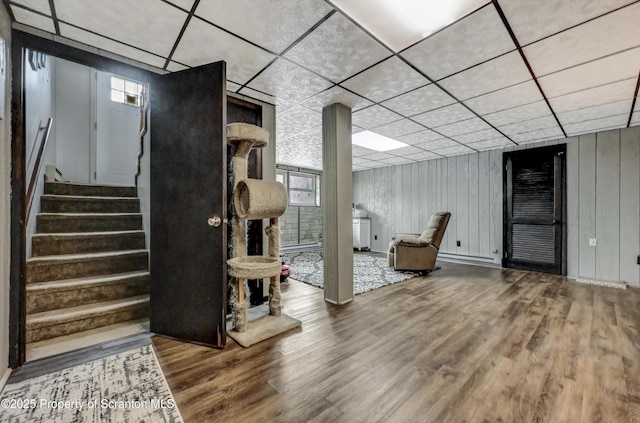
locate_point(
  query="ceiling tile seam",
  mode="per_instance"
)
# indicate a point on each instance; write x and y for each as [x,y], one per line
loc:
[637,47]
[592,88]
[108,38]
[581,23]
[633,102]
[507,25]
[307,32]
[182,30]
[475,66]
[407,92]
[54,16]
[9,3]
[281,55]
[454,97]
[175,5]
[433,34]
[589,106]
[595,118]
[234,34]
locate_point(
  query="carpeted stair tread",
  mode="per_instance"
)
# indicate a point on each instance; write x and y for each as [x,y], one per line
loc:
[86,242]
[88,204]
[45,296]
[88,222]
[66,188]
[69,266]
[84,311]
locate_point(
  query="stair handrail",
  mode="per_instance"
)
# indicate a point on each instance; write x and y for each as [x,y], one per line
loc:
[28,199]
[144,118]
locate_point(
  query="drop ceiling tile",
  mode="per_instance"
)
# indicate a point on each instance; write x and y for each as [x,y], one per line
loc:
[295,120]
[385,80]
[355,129]
[496,74]
[262,97]
[102,43]
[419,101]
[530,20]
[543,122]
[336,94]
[378,155]
[398,128]
[303,149]
[262,22]
[123,20]
[538,135]
[400,27]
[35,20]
[185,4]
[406,151]
[595,125]
[444,115]
[289,82]
[356,168]
[609,69]
[455,151]
[420,137]
[425,155]
[437,144]
[177,67]
[586,42]
[203,43]
[373,116]
[477,136]
[376,164]
[463,127]
[41,6]
[605,94]
[459,46]
[635,119]
[397,160]
[360,161]
[507,98]
[358,151]
[337,49]
[232,86]
[517,114]
[491,144]
[589,113]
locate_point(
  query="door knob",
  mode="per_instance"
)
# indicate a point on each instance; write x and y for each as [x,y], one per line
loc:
[214,221]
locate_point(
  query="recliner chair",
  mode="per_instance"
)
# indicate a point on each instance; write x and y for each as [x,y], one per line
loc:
[418,252]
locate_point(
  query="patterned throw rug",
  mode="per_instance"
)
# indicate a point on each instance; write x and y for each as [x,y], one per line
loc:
[369,272]
[125,387]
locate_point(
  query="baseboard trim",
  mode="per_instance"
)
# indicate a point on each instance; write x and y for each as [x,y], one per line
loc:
[598,282]
[3,380]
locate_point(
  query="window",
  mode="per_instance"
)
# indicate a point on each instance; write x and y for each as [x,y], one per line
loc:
[125,92]
[302,188]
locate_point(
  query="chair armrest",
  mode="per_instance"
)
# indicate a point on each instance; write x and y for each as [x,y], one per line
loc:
[395,236]
[410,242]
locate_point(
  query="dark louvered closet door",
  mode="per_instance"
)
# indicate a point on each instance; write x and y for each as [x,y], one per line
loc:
[534,209]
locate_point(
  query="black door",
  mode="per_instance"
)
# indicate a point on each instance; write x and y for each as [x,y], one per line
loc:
[534,211]
[188,187]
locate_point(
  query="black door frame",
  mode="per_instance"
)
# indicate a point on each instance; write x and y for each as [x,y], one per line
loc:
[19,42]
[560,194]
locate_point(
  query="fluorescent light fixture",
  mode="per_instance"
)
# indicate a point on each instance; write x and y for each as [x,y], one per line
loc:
[377,142]
[401,23]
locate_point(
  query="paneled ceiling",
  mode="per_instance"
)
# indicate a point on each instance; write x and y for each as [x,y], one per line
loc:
[485,76]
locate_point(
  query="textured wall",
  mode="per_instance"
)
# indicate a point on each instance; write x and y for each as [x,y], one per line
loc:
[603,202]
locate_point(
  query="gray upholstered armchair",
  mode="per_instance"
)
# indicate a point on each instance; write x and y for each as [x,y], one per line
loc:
[418,252]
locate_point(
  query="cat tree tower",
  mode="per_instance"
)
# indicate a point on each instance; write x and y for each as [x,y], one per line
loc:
[254,199]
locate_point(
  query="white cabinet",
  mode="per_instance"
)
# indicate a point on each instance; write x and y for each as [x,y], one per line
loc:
[361,233]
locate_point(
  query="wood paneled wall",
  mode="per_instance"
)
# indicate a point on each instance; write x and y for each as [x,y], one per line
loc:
[603,202]
[401,199]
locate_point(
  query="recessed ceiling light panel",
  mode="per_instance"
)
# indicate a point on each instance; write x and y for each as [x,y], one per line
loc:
[377,142]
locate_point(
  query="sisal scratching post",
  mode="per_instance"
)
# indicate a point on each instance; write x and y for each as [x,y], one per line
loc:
[254,199]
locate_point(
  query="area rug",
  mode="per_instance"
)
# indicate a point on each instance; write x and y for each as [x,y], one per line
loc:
[125,387]
[369,272]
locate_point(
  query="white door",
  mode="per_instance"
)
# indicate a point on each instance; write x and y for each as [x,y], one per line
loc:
[118,136]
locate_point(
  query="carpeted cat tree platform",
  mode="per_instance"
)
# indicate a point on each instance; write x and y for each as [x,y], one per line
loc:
[254,199]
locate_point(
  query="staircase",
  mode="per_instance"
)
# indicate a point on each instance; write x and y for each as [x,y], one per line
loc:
[89,266]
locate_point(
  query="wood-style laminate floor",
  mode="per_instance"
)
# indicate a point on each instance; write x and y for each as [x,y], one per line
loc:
[463,344]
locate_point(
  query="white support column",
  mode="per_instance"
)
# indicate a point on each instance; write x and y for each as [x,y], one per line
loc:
[336,204]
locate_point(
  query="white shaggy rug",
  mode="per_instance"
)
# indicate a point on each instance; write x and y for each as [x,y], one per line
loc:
[125,387]
[369,272]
